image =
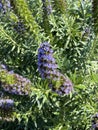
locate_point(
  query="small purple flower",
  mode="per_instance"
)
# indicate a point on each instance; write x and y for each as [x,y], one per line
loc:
[48,49]
[13,91]
[6,104]
[67,84]
[41,51]
[48,58]
[44,44]
[96,115]
[67,90]
[1,5]
[59,92]
[62,88]
[3,66]
[11,72]
[7,4]
[50,66]
[47,6]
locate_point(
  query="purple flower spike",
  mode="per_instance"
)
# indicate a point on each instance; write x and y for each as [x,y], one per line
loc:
[49,70]
[18,85]
[46,62]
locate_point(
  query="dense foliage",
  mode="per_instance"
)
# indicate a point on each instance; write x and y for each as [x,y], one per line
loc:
[43,40]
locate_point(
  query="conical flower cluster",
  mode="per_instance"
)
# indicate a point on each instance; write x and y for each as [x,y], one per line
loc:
[49,70]
[14,83]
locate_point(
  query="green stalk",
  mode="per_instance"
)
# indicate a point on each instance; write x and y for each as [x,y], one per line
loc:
[60,5]
[47,11]
[20,7]
[95,15]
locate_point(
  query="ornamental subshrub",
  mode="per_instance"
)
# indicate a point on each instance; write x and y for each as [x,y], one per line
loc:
[41,42]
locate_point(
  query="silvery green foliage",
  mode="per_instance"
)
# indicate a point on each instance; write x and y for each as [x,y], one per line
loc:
[48,70]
